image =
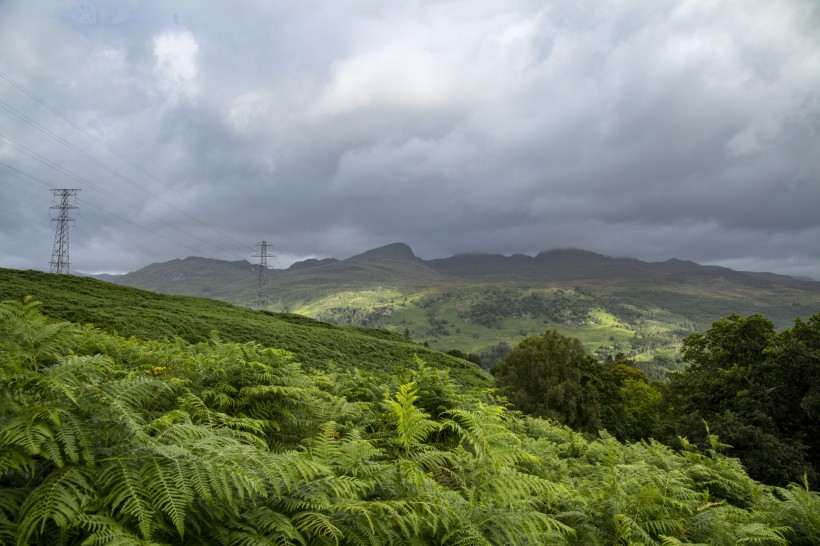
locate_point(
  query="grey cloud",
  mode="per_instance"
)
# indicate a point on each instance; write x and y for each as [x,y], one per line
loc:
[682,129]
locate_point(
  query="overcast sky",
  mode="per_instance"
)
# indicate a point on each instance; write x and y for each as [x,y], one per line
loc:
[651,129]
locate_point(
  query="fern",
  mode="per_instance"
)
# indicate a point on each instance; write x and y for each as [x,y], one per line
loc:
[165,483]
[28,337]
[59,502]
[105,531]
[412,424]
[131,442]
[317,528]
[800,510]
[127,498]
[259,527]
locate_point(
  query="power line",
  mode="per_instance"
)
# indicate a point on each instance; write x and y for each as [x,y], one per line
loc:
[112,149]
[17,209]
[112,171]
[47,162]
[74,124]
[23,191]
[20,174]
[90,237]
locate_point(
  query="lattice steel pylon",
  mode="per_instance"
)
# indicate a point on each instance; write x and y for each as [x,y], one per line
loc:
[59,255]
[262,277]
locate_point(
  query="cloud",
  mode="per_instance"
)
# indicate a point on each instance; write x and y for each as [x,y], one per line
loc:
[681,128]
[176,69]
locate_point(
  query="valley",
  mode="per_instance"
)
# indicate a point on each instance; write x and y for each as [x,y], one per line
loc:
[482,304]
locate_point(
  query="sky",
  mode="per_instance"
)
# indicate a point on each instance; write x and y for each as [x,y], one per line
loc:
[682,129]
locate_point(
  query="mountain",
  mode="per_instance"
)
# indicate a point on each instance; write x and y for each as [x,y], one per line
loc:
[192,276]
[395,251]
[554,265]
[393,264]
[483,303]
[311,263]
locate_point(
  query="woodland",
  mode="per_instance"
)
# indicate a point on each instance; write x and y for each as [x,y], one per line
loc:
[755,388]
[106,439]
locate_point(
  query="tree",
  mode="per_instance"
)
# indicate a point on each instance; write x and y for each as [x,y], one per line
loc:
[632,407]
[552,376]
[758,390]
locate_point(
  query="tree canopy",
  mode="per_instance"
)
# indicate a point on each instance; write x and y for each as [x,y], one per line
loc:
[759,390]
[552,376]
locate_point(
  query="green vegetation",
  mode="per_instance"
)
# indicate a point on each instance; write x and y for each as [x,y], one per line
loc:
[476,318]
[108,440]
[757,389]
[150,316]
[552,376]
[475,303]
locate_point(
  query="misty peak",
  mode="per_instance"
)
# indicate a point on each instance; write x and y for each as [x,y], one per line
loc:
[394,250]
[567,253]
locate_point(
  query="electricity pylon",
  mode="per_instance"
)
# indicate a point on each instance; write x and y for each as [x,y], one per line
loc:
[59,255]
[262,277]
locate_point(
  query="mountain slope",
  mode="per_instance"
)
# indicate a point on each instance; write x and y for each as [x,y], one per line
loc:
[480,302]
[193,276]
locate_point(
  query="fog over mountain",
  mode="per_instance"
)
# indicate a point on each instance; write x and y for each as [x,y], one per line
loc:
[673,129]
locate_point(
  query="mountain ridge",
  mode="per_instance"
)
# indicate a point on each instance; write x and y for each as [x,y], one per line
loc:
[484,303]
[460,264]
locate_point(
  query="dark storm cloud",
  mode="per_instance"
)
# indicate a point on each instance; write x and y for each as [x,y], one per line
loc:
[672,129]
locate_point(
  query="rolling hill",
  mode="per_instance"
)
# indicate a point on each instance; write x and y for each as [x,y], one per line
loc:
[147,315]
[483,303]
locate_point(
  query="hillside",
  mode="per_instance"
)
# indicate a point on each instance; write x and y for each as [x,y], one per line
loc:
[147,315]
[482,303]
[108,440]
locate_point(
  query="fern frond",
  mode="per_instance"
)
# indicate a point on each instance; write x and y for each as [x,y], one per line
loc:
[105,531]
[76,437]
[38,430]
[760,533]
[29,338]
[412,425]
[125,403]
[60,500]
[800,510]
[465,536]
[125,496]
[264,526]
[317,527]
[222,467]
[165,483]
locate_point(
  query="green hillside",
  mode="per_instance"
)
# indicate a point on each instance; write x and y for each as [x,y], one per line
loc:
[484,304]
[147,315]
[108,440]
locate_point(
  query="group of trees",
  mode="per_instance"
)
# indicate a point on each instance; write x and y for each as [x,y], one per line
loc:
[107,440]
[757,389]
[559,306]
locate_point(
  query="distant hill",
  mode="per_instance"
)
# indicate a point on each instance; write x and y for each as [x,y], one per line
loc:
[554,265]
[480,302]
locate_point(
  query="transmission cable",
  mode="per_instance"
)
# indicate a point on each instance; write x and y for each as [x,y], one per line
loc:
[101,190]
[110,148]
